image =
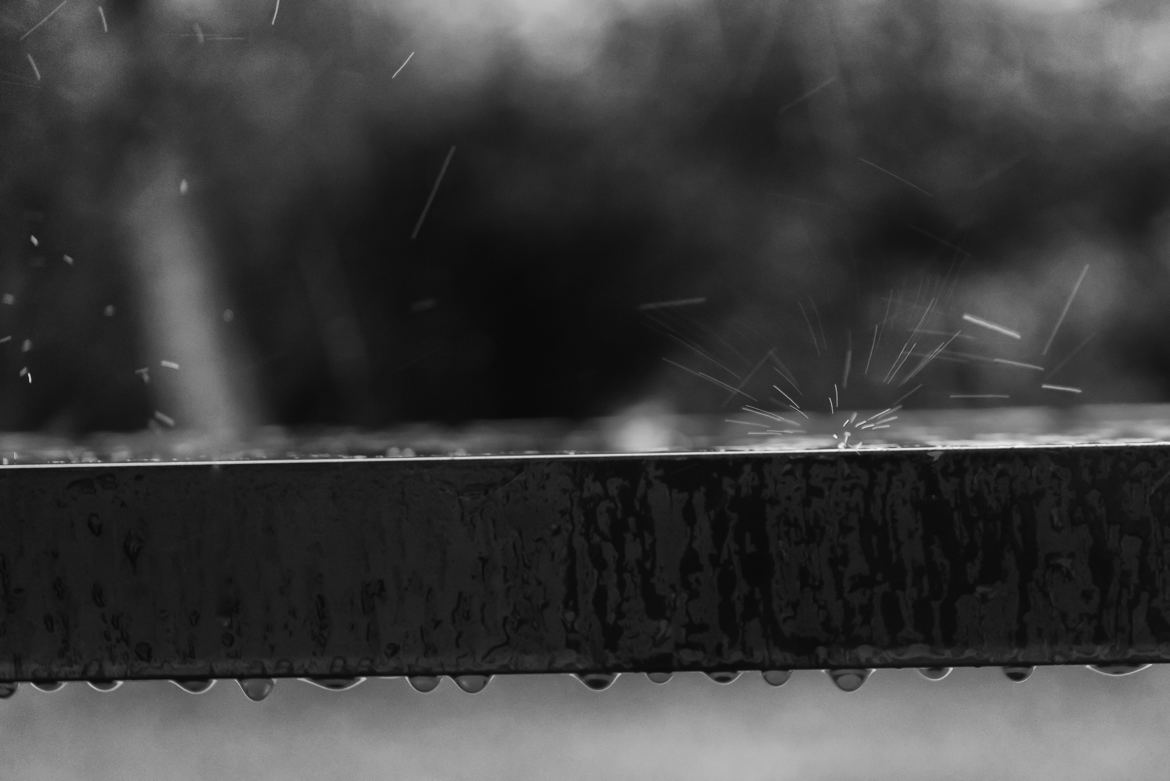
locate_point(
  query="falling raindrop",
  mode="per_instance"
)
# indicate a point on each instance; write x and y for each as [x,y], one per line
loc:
[934,673]
[48,686]
[723,676]
[1018,672]
[777,677]
[849,679]
[257,689]
[597,681]
[194,685]
[659,677]
[472,684]
[7,689]
[104,686]
[335,684]
[423,683]
[1117,669]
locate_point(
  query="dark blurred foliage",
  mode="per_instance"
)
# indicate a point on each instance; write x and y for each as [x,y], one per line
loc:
[782,162]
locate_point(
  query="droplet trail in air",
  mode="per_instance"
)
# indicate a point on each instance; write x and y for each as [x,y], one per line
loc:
[1018,672]
[777,677]
[597,681]
[849,679]
[934,673]
[659,677]
[472,684]
[257,689]
[423,683]
[723,676]
[1117,670]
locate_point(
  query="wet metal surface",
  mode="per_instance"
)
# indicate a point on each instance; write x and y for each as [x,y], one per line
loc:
[730,561]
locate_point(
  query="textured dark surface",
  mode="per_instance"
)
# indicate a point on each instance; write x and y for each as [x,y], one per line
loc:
[575,563]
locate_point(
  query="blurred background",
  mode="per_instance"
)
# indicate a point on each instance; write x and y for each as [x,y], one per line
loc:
[221,215]
[369,213]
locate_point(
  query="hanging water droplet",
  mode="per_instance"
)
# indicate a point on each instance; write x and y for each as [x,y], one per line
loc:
[934,673]
[48,686]
[257,689]
[423,683]
[104,686]
[472,684]
[1117,669]
[849,679]
[1018,672]
[335,684]
[723,676]
[777,677]
[194,685]
[659,677]
[597,681]
[7,689]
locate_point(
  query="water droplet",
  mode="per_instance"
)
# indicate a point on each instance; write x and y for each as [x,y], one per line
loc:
[777,677]
[104,686]
[849,679]
[597,681]
[723,676]
[7,689]
[335,684]
[1117,669]
[48,686]
[423,683]
[194,685]
[472,684]
[659,677]
[257,689]
[1018,672]
[934,673]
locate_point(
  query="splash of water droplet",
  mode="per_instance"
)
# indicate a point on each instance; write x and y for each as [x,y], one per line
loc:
[850,679]
[335,684]
[257,689]
[104,686]
[7,689]
[597,681]
[1118,669]
[777,677]
[472,684]
[48,686]
[423,683]
[659,677]
[194,685]
[934,673]
[1018,672]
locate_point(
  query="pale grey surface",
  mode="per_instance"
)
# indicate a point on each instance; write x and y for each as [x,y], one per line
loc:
[1066,723]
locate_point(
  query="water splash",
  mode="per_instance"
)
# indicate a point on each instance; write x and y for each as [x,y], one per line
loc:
[472,684]
[597,681]
[777,677]
[104,686]
[335,684]
[1019,672]
[194,685]
[48,686]
[659,677]
[1117,670]
[723,676]
[423,683]
[934,673]
[7,689]
[257,689]
[849,679]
